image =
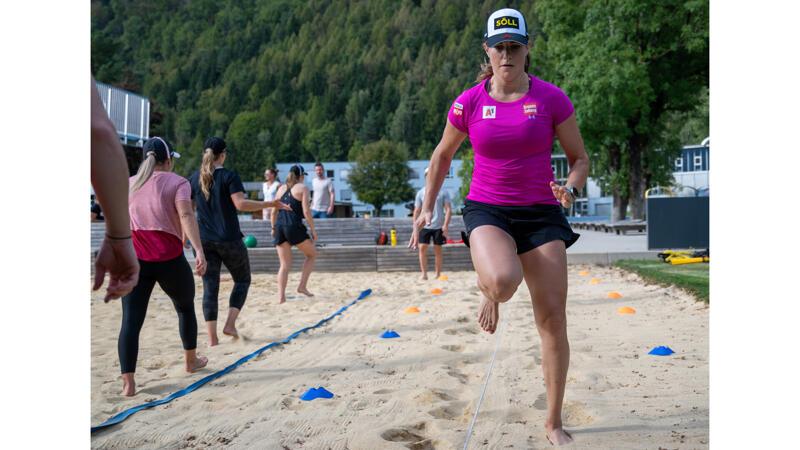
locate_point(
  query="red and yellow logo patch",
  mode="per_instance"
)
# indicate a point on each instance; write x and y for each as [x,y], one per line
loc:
[529,108]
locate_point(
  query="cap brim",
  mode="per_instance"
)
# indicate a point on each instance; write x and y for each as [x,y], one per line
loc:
[502,37]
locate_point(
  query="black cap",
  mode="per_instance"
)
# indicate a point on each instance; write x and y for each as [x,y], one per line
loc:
[217,145]
[162,149]
[297,170]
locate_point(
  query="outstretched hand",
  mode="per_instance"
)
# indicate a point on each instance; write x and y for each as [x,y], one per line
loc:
[279,205]
[423,219]
[562,194]
[118,258]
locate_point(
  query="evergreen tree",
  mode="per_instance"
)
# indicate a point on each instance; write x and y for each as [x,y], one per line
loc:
[380,174]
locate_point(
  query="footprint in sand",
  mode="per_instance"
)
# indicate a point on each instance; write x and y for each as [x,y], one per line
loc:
[383,391]
[450,411]
[575,414]
[541,402]
[411,437]
[457,375]
[459,331]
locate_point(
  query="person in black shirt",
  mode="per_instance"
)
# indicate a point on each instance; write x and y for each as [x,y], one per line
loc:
[97,213]
[217,194]
[289,230]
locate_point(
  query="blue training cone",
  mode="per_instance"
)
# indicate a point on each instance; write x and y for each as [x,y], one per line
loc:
[389,334]
[661,351]
[324,393]
[315,393]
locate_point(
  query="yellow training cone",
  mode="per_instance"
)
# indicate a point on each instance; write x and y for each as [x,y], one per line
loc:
[584,272]
[594,280]
[411,310]
[443,277]
[626,310]
[435,291]
[613,295]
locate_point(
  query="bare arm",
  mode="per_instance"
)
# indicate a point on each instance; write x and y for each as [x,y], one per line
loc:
[448,211]
[192,231]
[570,138]
[243,204]
[333,200]
[109,173]
[307,211]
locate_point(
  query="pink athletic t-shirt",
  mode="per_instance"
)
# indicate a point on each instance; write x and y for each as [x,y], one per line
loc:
[155,222]
[512,142]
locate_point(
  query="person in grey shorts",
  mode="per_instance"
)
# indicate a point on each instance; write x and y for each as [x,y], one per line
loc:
[437,230]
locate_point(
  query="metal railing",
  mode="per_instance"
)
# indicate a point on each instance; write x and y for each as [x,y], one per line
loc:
[129,112]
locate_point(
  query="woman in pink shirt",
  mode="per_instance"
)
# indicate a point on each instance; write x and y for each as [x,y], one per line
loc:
[516,229]
[161,214]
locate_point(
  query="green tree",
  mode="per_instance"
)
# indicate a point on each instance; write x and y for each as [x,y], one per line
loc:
[465,173]
[380,174]
[626,65]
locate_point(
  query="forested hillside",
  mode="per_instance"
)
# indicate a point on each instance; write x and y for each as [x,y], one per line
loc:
[285,80]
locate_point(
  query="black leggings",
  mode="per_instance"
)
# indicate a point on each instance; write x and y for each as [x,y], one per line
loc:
[175,278]
[234,255]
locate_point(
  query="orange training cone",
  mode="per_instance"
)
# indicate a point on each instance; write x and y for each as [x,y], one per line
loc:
[626,310]
[594,280]
[443,277]
[411,310]
[584,272]
[435,291]
[613,295]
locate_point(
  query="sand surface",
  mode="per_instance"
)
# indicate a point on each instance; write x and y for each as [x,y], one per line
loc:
[418,391]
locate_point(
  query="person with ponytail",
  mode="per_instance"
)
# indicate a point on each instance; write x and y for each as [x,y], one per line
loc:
[218,193]
[515,227]
[160,216]
[288,230]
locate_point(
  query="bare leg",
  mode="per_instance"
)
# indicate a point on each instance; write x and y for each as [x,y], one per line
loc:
[193,362]
[310,252]
[494,255]
[230,323]
[128,385]
[545,269]
[437,252]
[211,327]
[423,260]
[285,257]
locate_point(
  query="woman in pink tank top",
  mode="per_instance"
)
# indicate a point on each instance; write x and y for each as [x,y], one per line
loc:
[516,229]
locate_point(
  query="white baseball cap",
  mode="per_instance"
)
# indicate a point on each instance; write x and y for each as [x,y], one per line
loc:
[506,25]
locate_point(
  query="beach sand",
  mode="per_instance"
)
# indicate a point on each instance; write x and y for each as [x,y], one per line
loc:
[418,391]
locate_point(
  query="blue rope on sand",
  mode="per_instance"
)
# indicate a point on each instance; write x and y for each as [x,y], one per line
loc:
[128,412]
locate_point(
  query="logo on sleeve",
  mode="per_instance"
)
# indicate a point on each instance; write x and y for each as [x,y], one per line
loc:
[506,22]
[488,112]
[458,109]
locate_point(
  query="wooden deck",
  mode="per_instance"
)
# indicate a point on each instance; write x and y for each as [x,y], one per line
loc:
[343,245]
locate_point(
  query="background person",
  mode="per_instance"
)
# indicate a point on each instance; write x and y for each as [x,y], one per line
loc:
[270,187]
[322,203]
[289,230]
[436,231]
[218,193]
[161,214]
[516,228]
[96,212]
[109,171]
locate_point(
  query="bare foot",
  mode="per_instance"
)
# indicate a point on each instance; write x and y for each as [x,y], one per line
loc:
[424,276]
[212,341]
[304,291]
[558,436]
[282,300]
[231,331]
[128,386]
[198,363]
[488,315]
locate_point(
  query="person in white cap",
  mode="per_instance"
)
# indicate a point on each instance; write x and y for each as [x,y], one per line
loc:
[436,231]
[515,227]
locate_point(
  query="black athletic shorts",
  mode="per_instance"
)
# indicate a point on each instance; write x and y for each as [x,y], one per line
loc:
[530,226]
[292,233]
[426,234]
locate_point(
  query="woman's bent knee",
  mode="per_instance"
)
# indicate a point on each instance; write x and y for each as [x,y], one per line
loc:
[499,288]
